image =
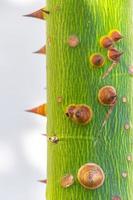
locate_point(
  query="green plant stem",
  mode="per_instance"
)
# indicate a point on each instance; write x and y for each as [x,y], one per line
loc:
[71,76]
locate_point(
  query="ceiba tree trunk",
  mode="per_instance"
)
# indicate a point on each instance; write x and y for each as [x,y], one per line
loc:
[74,79]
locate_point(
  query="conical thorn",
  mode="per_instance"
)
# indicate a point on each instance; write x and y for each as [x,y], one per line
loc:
[44,135]
[43,181]
[39,14]
[41,51]
[40,110]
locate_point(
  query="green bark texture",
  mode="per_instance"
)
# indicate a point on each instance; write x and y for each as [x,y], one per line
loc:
[71,76]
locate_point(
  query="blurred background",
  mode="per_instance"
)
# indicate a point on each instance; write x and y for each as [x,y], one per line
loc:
[22,86]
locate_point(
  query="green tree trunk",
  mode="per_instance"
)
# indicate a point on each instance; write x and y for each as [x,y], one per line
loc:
[71,79]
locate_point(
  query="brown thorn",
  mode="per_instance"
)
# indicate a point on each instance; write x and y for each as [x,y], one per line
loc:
[37,14]
[41,110]
[43,181]
[41,50]
[109,70]
[45,135]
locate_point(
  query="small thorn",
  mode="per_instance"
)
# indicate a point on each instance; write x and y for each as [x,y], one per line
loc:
[116,198]
[124,174]
[109,70]
[41,51]
[39,14]
[44,135]
[73,41]
[59,99]
[115,35]
[97,60]
[43,181]
[127,126]
[129,158]
[124,99]
[114,55]
[41,110]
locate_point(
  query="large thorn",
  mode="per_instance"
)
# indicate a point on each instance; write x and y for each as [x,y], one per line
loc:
[39,14]
[43,181]
[40,110]
[42,50]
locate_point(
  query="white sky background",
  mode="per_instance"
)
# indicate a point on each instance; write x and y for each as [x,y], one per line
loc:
[22,83]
